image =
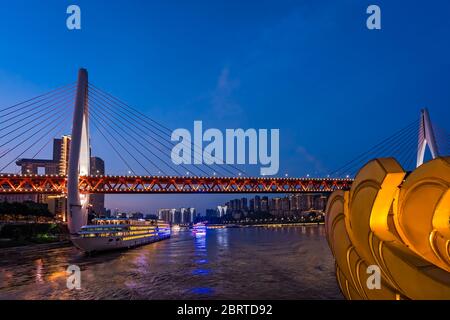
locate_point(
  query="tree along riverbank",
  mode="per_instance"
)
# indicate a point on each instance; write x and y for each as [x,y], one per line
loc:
[26,233]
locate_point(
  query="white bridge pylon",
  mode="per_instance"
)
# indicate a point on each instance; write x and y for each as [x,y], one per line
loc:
[79,157]
[426,137]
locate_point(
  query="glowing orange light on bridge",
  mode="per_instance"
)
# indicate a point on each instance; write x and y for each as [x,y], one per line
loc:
[56,184]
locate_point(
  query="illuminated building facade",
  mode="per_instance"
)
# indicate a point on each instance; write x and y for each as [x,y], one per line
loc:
[57,165]
[293,204]
[97,200]
[177,216]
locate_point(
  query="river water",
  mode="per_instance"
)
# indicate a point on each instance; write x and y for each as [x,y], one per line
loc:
[236,263]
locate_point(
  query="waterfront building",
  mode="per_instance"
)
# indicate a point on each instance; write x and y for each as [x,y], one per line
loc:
[185,215]
[58,165]
[285,206]
[257,204]
[275,206]
[137,215]
[177,216]
[211,213]
[243,204]
[192,215]
[164,214]
[320,202]
[290,205]
[221,211]
[264,204]
[252,205]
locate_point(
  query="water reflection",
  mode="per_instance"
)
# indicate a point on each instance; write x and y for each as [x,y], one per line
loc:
[201,264]
[246,263]
[39,271]
[222,237]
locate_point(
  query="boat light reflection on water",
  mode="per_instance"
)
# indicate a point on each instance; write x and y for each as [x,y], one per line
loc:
[199,230]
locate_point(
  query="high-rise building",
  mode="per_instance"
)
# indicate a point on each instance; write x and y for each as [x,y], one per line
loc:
[252,205]
[175,216]
[275,206]
[164,214]
[320,202]
[211,213]
[185,215]
[243,205]
[61,148]
[257,204]
[265,204]
[192,215]
[97,200]
[293,204]
[58,165]
[221,211]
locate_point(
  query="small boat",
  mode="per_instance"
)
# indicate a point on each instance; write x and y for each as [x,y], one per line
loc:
[199,229]
[110,234]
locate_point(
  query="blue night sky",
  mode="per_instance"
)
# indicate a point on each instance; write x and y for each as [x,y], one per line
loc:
[310,68]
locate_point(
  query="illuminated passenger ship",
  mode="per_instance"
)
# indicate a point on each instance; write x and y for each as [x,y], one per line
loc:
[109,234]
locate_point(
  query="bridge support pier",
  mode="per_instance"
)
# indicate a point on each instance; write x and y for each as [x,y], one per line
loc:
[79,157]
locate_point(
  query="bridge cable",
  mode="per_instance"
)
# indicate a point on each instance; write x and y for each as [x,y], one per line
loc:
[102,124]
[26,131]
[36,110]
[388,149]
[27,138]
[30,122]
[99,109]
[57,134]
[442,140]
[33,143]
[134,125]
[140,115]
[400,148]
[144,118]
[114,148]
[356,163]
[406,151]
[381,145]
[32,106]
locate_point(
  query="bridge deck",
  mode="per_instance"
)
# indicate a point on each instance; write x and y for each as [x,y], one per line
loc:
[56,184]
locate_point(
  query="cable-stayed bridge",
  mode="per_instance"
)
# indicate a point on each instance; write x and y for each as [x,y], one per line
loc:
[143,146]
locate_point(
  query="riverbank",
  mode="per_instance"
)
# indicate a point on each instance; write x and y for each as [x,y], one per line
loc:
[25,233]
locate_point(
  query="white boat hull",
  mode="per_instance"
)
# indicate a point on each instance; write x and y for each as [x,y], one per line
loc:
[112,243]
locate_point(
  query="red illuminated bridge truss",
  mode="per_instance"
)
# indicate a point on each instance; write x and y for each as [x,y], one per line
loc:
[56,184]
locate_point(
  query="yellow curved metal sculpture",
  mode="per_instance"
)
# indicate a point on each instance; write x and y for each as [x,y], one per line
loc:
[398,223]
